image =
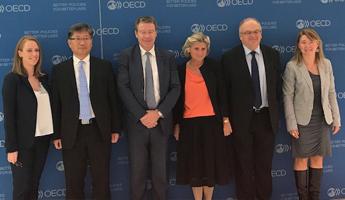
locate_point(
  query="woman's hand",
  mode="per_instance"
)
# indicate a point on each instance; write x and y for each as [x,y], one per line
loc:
[177,131]
[335,129]
[294,133]
[227,129]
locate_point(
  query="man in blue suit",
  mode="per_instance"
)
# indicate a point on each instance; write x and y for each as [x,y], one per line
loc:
[149,88]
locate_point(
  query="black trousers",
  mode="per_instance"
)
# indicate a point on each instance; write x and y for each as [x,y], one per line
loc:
[26,173]
[253,155]
[148,148]
[89,150]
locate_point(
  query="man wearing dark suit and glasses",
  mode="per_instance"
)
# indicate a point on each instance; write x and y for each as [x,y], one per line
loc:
[149,87]
[251,73]
[85,113]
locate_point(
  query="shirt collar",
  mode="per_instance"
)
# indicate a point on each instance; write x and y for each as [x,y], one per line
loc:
[247,51]
[143,51]
[76,60]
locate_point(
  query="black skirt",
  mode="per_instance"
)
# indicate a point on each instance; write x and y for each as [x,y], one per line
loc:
[202,153]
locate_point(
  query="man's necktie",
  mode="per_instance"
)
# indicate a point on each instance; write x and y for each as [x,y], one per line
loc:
[256,81]
[84,98]
[149,87]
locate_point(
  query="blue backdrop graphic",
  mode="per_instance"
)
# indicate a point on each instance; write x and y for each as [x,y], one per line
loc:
[113,20]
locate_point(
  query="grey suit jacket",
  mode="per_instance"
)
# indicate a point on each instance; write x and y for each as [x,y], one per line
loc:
[130,82]
[299,94]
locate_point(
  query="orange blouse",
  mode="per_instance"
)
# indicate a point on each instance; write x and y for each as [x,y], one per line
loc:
[197,101]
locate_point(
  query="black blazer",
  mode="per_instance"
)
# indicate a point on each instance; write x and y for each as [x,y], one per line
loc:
[20,111]
[211,72]
[238,83]
[131,87]
[66,102]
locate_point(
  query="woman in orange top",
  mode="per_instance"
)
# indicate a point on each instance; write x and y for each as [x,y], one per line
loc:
[201,121]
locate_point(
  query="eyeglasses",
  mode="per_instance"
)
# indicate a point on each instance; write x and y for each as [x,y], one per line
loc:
[256,32]
[79,39]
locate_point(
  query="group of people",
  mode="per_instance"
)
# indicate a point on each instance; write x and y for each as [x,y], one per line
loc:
[201,102]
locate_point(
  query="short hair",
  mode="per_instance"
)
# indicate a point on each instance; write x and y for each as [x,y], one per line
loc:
[194,38]
[246,20]
[17,66]
[145,19]
[79,27]
[311,34]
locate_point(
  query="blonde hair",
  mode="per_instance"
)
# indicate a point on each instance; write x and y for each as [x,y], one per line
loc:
[194,38]
[17,66]
[311,34]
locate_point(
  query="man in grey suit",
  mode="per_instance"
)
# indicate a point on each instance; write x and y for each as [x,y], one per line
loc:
[149,88]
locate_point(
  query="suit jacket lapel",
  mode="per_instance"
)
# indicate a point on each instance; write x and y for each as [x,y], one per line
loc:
[160,69]
[305,74]
[93,69]
[322,78]
[71,78]
[243,62]
[267,65]
[138,73]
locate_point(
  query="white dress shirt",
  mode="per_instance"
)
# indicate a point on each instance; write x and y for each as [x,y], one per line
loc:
[86,67]
[154,70]
[44,120]
[262,72]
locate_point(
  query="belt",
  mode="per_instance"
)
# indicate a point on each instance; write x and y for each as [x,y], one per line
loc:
[87,121]
[260,110]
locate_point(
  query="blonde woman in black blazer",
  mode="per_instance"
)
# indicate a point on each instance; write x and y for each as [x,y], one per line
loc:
[311,111]
[28,118]
[201,121]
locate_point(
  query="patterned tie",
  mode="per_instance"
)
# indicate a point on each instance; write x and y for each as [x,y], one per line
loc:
[84,98]
[149,87]
[256,81]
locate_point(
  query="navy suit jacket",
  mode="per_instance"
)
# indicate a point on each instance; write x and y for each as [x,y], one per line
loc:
[130,82]
[66,101]
[20,111]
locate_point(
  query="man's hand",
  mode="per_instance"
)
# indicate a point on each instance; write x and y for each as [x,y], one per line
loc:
[57,144]
[150,119]
[177,132]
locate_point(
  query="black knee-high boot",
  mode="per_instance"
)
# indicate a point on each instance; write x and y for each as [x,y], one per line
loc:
[315,175]
[301,179]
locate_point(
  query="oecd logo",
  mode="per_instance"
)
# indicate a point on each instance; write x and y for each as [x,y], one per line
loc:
[115,5]
[335,192]
[177,53]
[56,59]
[2,143]
[107,31]
[1,116]
[278,173]
[53,194]
[227,3]
[282,148]
[59,166]
[172,181]
[341,95]
[320,23]
[15,8]
[209,28]
[173,156]
[284,49]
